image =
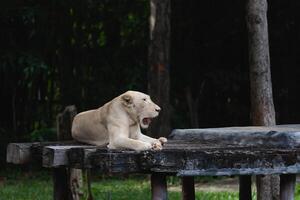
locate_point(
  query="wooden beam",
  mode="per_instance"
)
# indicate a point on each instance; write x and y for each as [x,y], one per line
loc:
[287,186]
[18,153]
[159,186]
[245,187]
[275,136]
[56,156]
[61,188]
[24,153]
[188,188]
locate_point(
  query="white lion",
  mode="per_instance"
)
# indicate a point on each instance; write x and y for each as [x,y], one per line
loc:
[118,122]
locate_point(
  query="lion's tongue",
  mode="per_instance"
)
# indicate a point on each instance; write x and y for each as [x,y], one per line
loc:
[147,121]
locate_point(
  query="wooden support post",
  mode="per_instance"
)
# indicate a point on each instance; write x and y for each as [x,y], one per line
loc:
[87,193]
[159,186]
[188,188]
[287,186]
[61,189]
[245,187]
[78,183]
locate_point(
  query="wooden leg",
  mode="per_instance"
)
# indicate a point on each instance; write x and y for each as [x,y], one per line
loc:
[61,189]
[287,186]
[80,184]
[245,188]
[159,186]
[86,176]
[76,183]
[263,187]
[188,188]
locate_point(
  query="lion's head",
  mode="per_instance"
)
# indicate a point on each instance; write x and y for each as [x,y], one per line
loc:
[140,107]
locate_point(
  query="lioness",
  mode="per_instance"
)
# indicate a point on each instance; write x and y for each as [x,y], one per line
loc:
[118,122]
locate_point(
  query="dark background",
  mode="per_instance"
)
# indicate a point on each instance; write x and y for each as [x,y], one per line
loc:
[56,53]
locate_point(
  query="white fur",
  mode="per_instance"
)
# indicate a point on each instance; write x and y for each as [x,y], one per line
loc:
[118,123]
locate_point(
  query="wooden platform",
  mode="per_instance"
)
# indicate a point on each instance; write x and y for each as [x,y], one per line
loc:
[189,152]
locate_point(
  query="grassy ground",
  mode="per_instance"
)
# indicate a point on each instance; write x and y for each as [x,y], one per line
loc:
[38,186]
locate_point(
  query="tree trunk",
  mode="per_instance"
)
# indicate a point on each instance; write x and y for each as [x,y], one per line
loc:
[76,182]
[262,106]
[159,64]
[64,123]
[193,108]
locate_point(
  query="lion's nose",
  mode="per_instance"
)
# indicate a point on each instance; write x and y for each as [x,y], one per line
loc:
[157,109]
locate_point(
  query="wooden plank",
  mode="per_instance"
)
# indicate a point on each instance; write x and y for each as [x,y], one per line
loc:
[23,153]
[184,157]
[185,162]
[56,156]
[159,186]
[223,162]
[188,187]
[232,172]
[79,157]
[215,162]
[105,160]
[18,153]
[114,161]
[287,186]
[285,136]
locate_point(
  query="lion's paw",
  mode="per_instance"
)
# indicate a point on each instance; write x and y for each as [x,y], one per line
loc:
[156,146]
[162,140]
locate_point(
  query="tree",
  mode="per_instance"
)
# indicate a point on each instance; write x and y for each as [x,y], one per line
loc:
[159,64]
[262,106]
[159,79]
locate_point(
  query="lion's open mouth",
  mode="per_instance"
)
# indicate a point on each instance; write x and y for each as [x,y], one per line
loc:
[146,121]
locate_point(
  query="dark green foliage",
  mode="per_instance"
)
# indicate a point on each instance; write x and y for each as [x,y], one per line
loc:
[42,135]
[58,53]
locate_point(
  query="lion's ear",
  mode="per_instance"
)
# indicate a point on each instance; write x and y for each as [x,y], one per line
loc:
[127,100]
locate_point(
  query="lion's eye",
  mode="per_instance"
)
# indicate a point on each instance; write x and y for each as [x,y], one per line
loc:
[144,99]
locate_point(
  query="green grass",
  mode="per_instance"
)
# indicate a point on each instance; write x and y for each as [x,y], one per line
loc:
[38,186]
[137,189]
[133,189]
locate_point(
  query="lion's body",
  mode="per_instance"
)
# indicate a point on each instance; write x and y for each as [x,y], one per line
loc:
[117,123]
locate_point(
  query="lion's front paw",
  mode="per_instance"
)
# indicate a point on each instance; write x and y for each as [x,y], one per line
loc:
[147,146]
[162,140]
[156,146]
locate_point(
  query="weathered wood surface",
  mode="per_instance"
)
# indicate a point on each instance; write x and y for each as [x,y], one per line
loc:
[189,162]
[199,153]
[56,156]
[281,136]
[24,153]
[18,153]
